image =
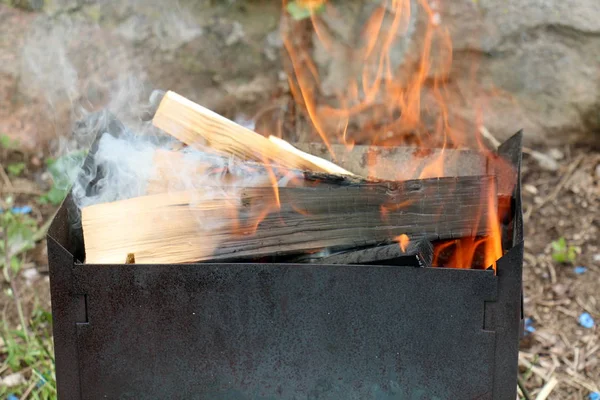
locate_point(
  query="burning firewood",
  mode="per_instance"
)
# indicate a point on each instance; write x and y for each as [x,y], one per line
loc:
[175,171]
[400,163]
[416,253]
[254,222]
[197,126]
[273,200]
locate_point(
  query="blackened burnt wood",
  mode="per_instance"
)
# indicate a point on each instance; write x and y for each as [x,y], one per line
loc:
[402,163]
[416,253]
[360,214]
[248,223]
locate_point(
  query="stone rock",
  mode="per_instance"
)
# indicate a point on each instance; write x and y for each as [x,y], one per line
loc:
[536,61]
[542,57]
[79,56]
[546,56]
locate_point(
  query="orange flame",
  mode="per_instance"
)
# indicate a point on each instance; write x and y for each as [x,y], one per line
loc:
[274,183]
[311,4]
[377,87]
[386,103]
[403,241]
[493,242]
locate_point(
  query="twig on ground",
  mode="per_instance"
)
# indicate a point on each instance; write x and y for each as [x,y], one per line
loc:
[13,286]
[14,190]
[591,351]
[567,312]
[565,339]
[534,369]
[47,384]
[552,272]
[572,167]
[568,363]
[42,230]
[586,307]
[488,135]
[547,389]
[553,303]
[524,391]
[544,160]
[527,213]
[6,179]
[576,358]
[28,391]
[577,381]
[496,143]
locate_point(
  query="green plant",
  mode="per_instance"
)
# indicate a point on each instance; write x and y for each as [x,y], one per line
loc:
[562,252]
[301,10]
[15,169]
[63,171]
[7,142]
[26,350]
[17,234]
[31,357]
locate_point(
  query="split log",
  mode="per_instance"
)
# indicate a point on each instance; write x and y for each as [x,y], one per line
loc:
[253,222]
[403,163]
[178,171]
[198,126]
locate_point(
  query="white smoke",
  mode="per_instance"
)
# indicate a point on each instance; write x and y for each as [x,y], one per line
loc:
[125,165]
[76,69]
[94,81]
[45,66]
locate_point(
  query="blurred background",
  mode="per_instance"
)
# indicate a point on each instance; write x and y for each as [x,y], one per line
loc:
[479,70]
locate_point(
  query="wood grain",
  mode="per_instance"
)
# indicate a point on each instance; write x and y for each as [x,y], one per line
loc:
[219,224]
[198,126]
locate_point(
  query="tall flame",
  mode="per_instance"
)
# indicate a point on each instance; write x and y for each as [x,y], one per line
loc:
[383,102]
[393,97]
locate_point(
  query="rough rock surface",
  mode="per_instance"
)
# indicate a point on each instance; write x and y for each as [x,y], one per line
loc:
[76,55]
[539,58]
[546,56]
[536,62]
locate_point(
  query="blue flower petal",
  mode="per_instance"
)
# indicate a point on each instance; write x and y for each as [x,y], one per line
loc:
[22,210]
[529,325]
[594,396]
[586,320]
[12,397]
[580,270]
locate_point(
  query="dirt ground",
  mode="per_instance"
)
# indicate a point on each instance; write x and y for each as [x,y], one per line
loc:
[564,203]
